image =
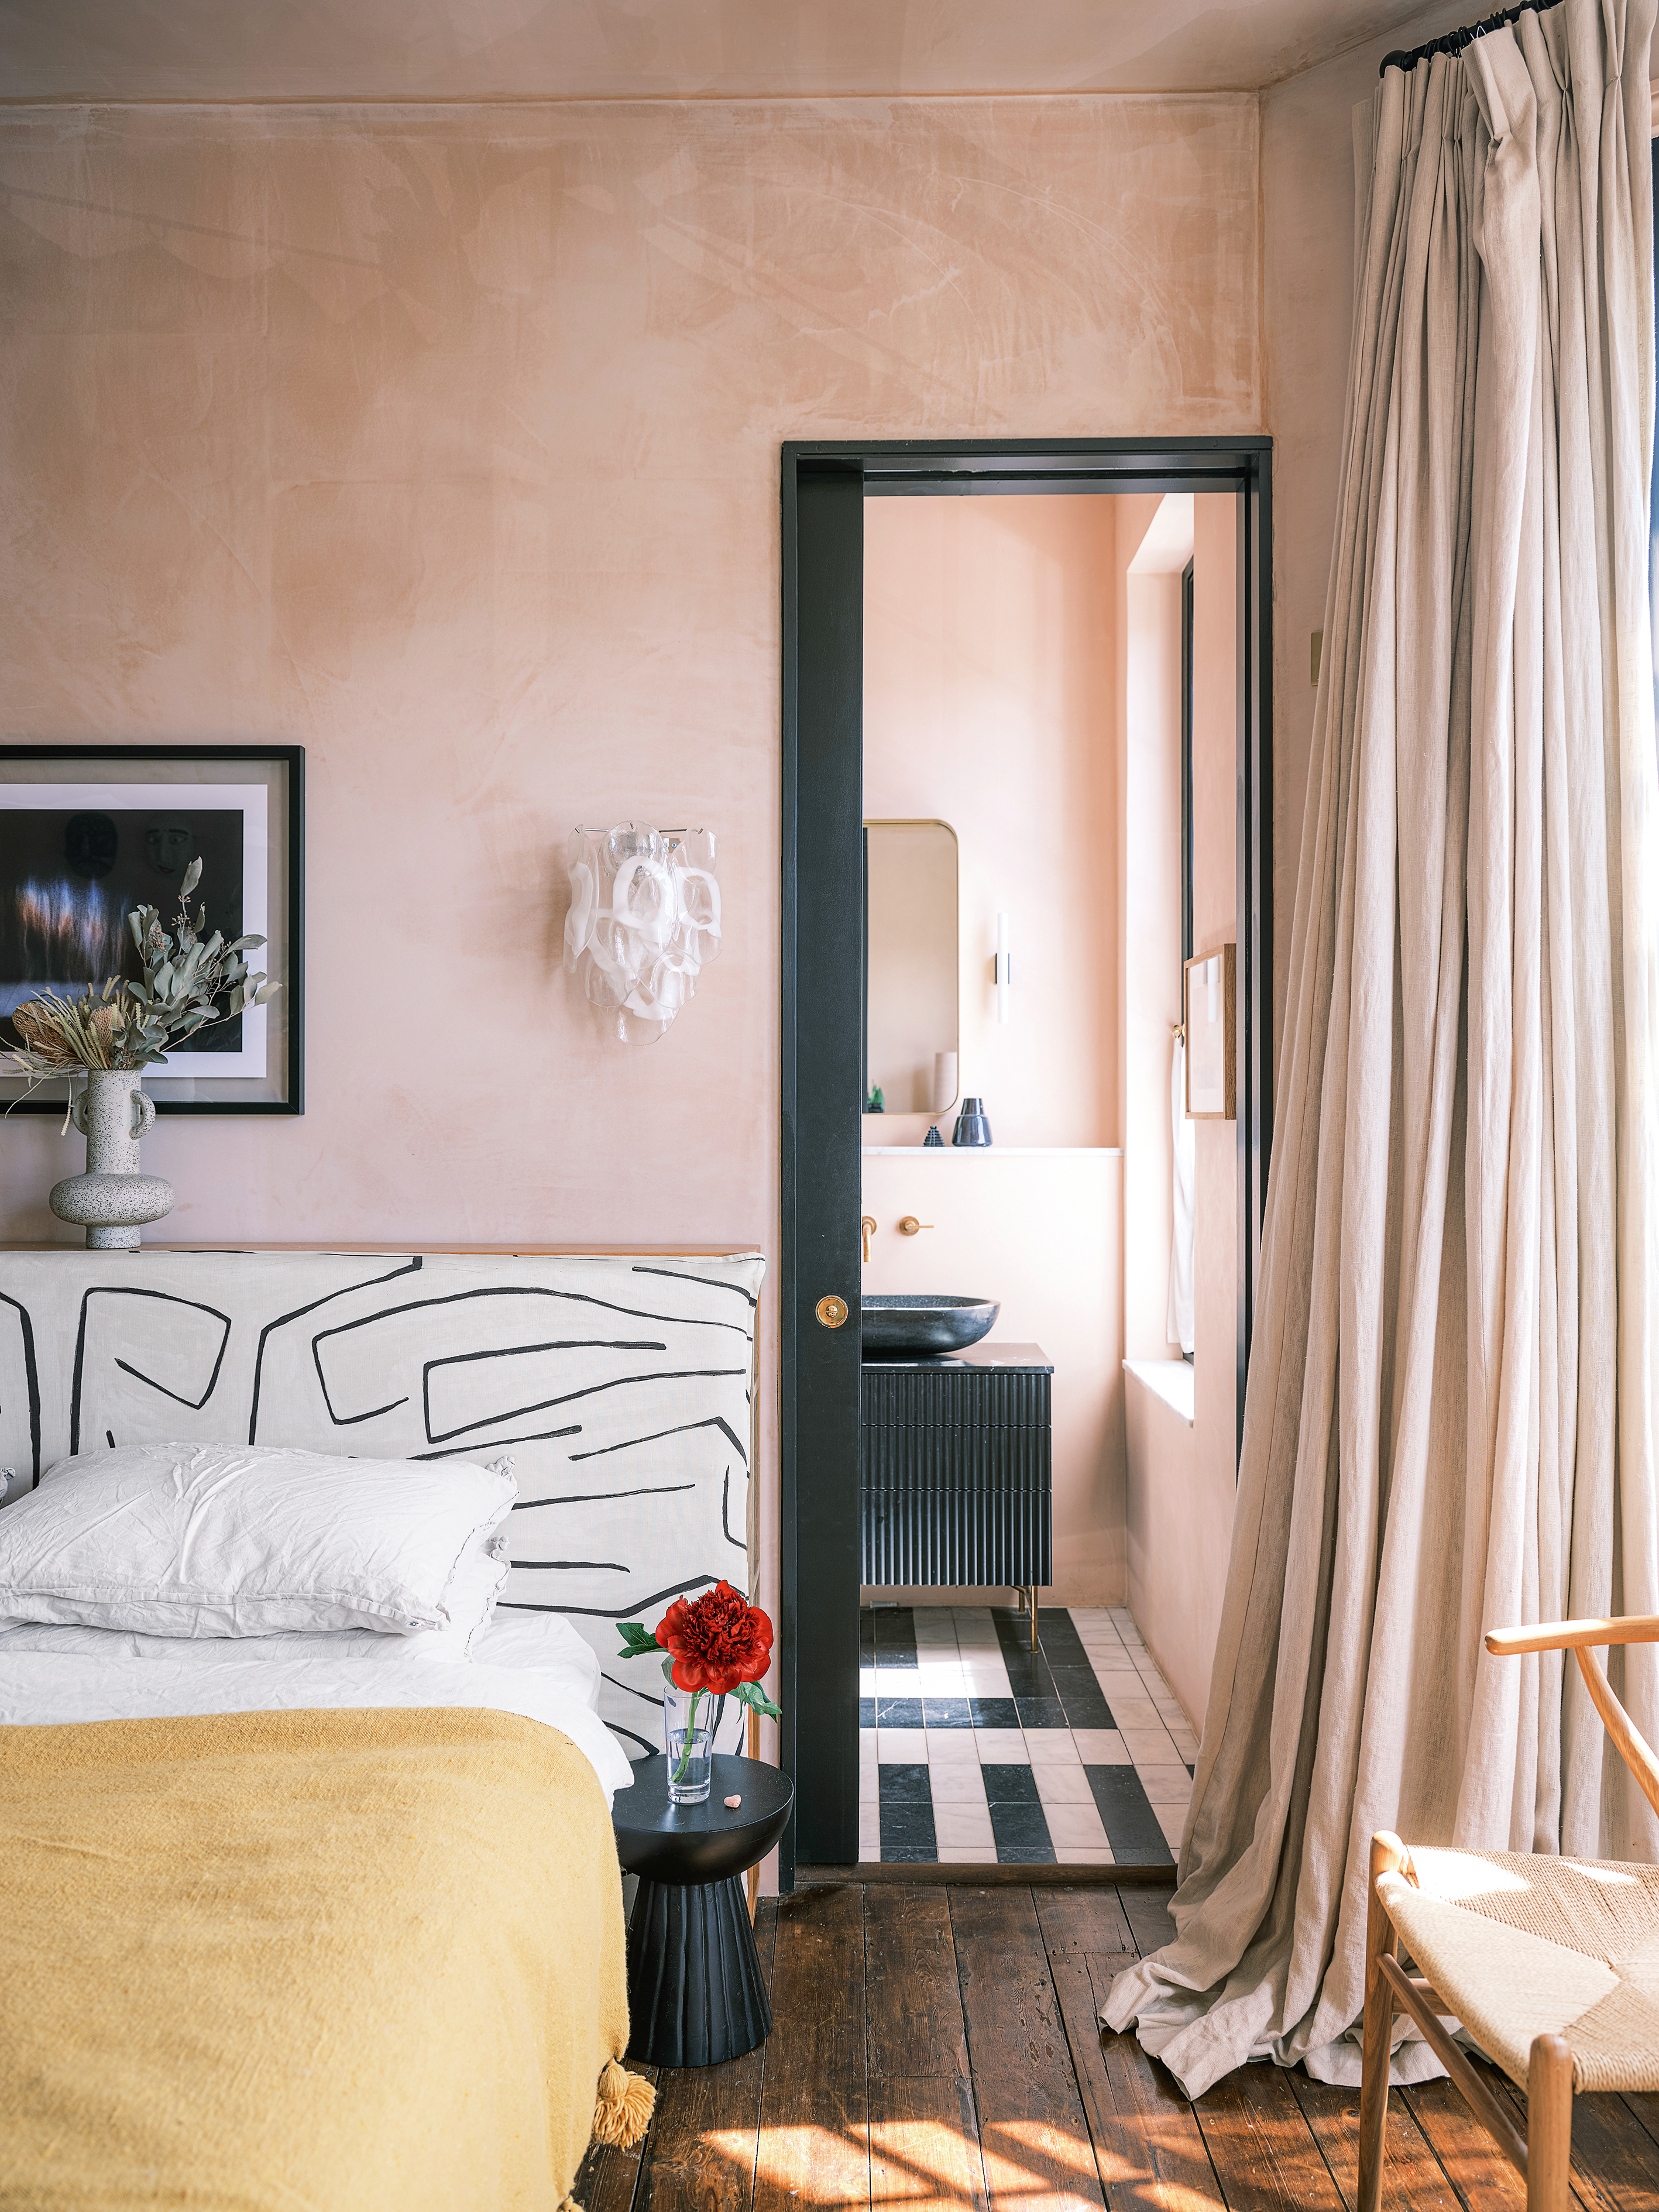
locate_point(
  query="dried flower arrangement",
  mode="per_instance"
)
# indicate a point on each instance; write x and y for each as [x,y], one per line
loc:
[127,1025]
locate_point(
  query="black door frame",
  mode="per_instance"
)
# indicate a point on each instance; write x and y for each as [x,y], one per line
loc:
[824,488]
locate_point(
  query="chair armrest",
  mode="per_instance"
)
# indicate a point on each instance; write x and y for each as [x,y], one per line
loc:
[1572,1635]
[1582,1639]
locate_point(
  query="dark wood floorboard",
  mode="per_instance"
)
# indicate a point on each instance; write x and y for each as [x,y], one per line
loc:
[700,2153]
[939,2047]
[1413,2179]
[1038,2150]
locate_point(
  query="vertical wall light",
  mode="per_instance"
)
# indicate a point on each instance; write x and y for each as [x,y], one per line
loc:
[1003,967]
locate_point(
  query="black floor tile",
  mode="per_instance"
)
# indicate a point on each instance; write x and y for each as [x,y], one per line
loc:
[1022,1834]
[908,1828]
[1040,1713]
[898,1712]
[995,1713]
[895,1637]
[867,1712]
[898,1661]
[1083,1698]
[1131,1825]
[1029,1681]
[908,1854]
[1010,1785]
[905,1785]
[947,1713]
[1057,1634]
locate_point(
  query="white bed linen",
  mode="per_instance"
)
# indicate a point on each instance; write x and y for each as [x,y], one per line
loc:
[537,1666]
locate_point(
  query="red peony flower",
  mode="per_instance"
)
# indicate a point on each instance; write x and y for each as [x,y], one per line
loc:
[717,1643]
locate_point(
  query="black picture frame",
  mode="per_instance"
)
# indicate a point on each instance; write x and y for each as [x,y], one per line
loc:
[283,957]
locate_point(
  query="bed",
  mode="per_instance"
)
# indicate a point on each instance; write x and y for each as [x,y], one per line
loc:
[331,1917]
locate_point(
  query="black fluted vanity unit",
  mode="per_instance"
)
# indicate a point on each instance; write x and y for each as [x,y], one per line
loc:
[957,1469]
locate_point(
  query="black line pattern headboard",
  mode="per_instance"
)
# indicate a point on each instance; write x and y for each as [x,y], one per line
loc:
[624,1389]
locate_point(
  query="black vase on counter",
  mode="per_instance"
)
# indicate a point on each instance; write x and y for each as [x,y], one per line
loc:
[972,1128]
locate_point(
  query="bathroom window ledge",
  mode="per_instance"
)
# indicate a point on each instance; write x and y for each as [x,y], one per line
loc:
[1169,1379]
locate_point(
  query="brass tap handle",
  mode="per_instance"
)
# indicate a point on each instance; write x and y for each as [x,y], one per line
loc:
[868,1226]
[910,1225]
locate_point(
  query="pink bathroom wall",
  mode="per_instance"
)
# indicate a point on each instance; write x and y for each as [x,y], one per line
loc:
[1182,1484]
[444,442]
[988,702]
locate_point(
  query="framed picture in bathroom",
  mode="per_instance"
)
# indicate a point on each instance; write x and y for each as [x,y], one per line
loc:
[90,833]
[1208,1012]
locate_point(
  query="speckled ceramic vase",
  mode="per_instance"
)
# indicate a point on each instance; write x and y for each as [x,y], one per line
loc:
[112,1200]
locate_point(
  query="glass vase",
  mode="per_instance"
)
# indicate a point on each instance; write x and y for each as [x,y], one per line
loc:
[689,1721]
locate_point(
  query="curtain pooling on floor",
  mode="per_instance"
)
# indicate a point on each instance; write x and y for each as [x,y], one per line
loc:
[1450,1419]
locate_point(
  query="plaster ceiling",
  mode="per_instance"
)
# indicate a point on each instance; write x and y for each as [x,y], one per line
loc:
[611,49]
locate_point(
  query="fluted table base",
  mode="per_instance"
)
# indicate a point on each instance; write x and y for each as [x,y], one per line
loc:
[695,1996]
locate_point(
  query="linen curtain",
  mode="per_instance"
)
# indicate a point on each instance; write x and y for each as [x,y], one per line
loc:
[1450,1414]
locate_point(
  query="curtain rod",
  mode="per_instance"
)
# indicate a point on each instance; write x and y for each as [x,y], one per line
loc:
[1453,42]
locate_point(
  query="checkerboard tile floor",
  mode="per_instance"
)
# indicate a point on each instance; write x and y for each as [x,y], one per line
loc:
[975,1749]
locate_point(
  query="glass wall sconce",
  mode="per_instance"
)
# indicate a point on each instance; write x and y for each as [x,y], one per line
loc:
[644,921]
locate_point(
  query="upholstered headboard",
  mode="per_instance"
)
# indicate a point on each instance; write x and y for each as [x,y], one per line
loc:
[622,1388]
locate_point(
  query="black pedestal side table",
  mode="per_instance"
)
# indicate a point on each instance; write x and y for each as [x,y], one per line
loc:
[695,1993]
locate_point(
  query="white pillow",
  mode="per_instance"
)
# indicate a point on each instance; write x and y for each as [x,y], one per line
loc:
[218,1539]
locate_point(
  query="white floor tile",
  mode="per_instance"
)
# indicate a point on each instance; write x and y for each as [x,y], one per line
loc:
[1002,1747]
[1062,1785]
[958,1785]
[952,1748]
[1101,1748]
[965,1825]
[869,1845]
[1132,1712]
[1165,1785]
[1075,1825]
[1149,1746]
[1172,1819]
[1052,1747]
[972,1854]
[901,1746]
[1082,1855]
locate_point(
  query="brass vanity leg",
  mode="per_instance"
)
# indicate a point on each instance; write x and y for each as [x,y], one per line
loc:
[1031,1601]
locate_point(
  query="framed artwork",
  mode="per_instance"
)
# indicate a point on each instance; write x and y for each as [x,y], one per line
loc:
[1209,1011]
[89,833]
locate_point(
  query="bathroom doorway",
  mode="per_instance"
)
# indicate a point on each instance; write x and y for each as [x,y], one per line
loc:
[841,1030]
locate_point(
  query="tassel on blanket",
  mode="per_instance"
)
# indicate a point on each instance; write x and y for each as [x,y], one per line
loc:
[622,2109]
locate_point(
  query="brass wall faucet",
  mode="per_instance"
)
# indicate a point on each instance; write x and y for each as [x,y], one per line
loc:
[868,1226]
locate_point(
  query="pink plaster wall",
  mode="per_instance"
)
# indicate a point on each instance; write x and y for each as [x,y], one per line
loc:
[1181,1482]
[989,679]
[445,442]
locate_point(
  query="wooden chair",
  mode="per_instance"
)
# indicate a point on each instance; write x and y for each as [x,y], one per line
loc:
[1550,1965]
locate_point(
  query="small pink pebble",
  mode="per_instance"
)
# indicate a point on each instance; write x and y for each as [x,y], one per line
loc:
[734,1803]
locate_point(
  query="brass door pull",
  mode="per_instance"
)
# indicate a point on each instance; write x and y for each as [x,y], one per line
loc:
[868,1227]
[910,1225]
[831,1311]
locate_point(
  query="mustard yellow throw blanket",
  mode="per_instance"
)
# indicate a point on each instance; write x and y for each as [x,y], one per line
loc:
[307,1961]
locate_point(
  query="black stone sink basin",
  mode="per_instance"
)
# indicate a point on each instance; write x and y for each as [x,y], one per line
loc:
[923,1321]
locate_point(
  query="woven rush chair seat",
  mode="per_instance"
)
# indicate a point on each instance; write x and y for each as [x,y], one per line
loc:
[1551,1965]
[1520,1945]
